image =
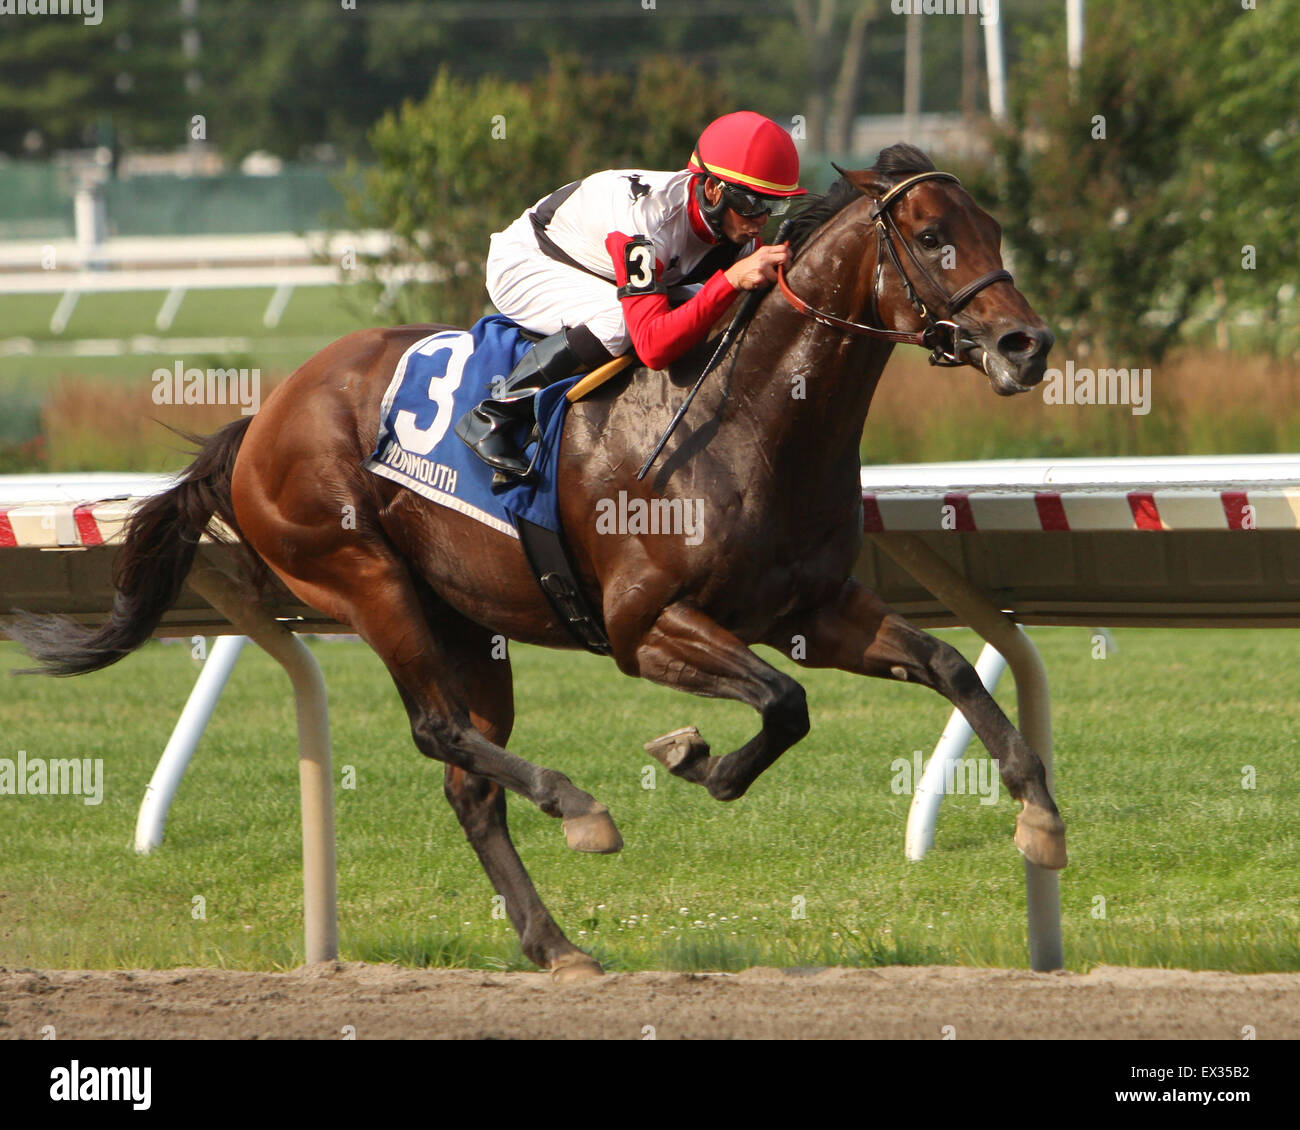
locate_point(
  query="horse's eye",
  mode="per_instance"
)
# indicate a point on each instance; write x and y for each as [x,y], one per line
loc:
[929,240]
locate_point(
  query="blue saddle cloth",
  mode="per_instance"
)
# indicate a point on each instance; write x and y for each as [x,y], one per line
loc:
[438,380]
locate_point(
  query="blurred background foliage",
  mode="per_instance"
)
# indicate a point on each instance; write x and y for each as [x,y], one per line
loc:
[465,160]
[1126,236]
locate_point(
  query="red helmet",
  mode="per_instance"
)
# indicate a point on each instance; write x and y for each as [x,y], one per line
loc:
[751,151]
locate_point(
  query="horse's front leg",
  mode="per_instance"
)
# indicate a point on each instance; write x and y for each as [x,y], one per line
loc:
[688,651]
[858,632]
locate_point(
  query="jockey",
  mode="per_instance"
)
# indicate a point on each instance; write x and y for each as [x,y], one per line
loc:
[628,258]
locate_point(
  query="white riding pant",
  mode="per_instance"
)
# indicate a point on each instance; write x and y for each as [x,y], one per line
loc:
[545,296]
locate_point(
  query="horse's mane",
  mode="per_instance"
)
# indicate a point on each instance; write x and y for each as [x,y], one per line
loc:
[893,164]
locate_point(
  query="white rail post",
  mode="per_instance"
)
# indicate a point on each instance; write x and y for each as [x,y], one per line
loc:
[956,736]
[63,311]
[992,21]
[170,307]
[1042,886]
[90,219]
[1074,29]
[276,307]
[166,779]
[315,782]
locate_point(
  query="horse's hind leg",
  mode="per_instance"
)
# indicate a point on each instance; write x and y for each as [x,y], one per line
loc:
[480,805]
[858,632]
[362,582]
[393,622]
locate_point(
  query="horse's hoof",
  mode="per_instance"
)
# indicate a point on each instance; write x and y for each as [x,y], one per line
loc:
[683,753]
[575,967]
[1040,836]
[594,831]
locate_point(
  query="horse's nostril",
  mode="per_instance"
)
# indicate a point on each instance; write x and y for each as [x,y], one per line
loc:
[1024,345]
[1015,345]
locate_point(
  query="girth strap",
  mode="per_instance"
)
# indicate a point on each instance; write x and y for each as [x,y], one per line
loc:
[549,558]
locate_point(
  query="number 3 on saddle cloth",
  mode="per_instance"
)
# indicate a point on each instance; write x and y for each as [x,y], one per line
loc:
[436,381]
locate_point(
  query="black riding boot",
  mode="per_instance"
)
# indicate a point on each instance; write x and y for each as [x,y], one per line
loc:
[488,428]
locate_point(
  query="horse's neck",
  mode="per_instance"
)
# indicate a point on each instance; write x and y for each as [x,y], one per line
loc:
[802,388]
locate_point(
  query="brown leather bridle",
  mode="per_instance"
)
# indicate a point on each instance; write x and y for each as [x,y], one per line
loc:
[942,336]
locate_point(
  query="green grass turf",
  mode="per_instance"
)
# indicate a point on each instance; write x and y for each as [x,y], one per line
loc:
[1195,870]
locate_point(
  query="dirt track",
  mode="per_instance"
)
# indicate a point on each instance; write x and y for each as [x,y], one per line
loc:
[386,1002]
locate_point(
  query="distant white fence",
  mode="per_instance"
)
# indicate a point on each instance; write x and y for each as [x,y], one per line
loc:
[177,265]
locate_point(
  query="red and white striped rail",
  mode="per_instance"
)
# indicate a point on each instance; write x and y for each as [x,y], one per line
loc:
[1186,494]
[53,511]
[1053,511]
[54,525]
[1197,493]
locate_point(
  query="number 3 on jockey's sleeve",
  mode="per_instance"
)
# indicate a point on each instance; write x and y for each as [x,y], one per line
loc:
[640,273]
[660,334]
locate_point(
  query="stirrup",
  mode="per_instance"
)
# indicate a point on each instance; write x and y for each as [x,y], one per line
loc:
[487,431]
[516,472]
[487,427]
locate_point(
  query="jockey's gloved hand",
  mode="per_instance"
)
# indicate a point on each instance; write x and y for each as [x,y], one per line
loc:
[758,269]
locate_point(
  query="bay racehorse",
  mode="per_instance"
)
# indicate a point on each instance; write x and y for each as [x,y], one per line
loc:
[768,449]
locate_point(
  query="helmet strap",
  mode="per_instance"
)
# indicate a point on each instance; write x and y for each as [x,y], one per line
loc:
[712,213]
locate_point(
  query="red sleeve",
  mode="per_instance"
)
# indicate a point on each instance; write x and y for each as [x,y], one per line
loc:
[659,334]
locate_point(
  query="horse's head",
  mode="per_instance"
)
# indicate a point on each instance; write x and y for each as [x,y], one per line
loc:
[939,264]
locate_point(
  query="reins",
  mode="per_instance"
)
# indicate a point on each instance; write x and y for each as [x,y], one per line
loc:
[746,311]
[942,336]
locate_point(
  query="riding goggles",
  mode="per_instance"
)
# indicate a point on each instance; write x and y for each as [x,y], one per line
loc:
[751,205]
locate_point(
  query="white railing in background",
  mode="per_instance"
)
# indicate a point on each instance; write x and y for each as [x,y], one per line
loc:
[179,264]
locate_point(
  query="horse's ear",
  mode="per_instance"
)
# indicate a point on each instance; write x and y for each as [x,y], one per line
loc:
[866,181]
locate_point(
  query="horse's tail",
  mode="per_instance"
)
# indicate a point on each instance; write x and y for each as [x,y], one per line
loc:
[162,536]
